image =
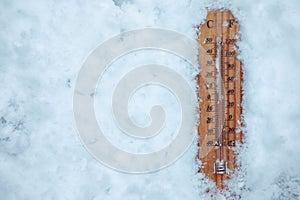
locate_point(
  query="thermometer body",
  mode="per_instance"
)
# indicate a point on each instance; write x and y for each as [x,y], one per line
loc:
[220,95]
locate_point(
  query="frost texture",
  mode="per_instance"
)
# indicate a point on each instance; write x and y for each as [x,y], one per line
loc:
[119,3]
[42,47]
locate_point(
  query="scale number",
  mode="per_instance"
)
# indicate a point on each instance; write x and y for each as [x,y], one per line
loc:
[209,62]
[209,74]
[231,143]
[209,109]
[231,130]
[230,66]
[230,41]
[230,104]
[209,120]
[208,40]
[230,92]
[229,53]
[230,78]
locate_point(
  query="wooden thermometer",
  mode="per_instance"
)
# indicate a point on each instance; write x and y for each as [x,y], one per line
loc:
[220,95]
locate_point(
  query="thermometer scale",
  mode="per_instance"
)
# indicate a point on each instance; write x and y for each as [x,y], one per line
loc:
[220,95]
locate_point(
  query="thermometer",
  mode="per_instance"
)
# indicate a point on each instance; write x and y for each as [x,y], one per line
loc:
[220,95]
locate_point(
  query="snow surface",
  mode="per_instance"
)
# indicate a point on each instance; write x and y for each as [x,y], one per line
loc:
[43,45]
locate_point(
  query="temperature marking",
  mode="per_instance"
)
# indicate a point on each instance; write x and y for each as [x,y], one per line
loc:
[220,92]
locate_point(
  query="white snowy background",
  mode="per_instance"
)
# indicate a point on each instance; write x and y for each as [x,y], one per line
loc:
[42,47]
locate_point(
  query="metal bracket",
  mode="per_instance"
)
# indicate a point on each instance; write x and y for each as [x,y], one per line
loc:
[220,167]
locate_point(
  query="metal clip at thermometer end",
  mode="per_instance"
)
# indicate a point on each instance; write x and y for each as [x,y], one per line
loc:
[220,167]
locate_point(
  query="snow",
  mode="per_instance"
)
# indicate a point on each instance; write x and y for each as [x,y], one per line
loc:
[44,44]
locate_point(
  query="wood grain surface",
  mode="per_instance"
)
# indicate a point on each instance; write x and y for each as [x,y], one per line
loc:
[220,94]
